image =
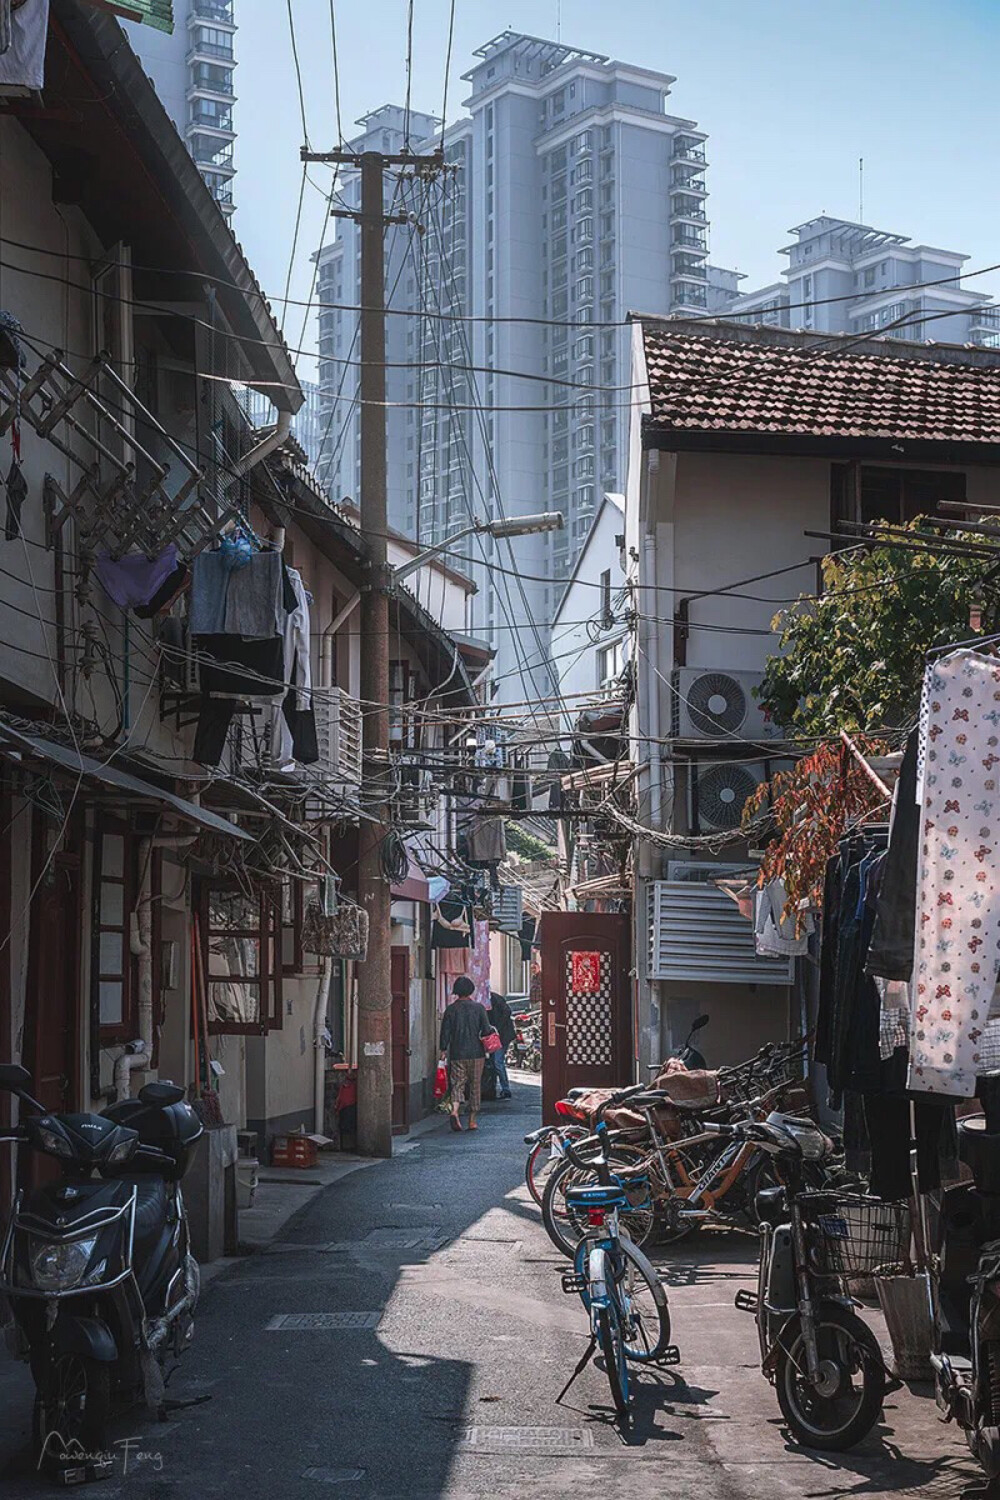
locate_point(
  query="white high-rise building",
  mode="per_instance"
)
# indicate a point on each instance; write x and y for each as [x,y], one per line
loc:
[193,71]
[570,198]
[843,277]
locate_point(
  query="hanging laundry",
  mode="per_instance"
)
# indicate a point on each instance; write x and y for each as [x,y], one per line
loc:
[487,840]
[246,668]
[255,598]
[891,953]
[166,594]
[207,604]
[451,926]
[135,579]
[17,493]
[22,65]
[775,934]
[478,964]
[958,893]
[293,728]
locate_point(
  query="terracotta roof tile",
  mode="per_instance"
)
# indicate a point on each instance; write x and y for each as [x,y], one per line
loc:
[744,383]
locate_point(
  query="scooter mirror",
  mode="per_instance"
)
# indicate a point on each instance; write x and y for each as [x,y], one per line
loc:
[14,1077]
[699,1022]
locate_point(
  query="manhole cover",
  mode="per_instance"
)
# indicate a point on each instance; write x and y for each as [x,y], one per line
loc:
[558,1441]
[334,1476]
[300,1322]
[419,1238]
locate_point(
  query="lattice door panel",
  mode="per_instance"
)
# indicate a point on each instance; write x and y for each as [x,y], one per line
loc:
[589,1016]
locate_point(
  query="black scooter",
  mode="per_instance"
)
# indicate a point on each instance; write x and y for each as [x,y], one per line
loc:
[97,1266]
[966,1356]
[688,1054]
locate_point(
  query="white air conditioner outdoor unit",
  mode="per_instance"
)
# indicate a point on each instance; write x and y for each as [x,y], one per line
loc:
[716,704]
[717,793]
[696,933]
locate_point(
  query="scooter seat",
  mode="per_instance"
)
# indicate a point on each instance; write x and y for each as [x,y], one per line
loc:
[150,1214]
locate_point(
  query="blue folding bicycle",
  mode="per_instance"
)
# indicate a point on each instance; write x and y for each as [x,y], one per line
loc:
[627,1302]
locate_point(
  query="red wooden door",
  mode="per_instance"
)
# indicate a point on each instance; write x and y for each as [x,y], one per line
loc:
[586,1003]
[400,1040]
[51,1033]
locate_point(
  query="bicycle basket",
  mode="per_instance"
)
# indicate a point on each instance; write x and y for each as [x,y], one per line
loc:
[855,1235]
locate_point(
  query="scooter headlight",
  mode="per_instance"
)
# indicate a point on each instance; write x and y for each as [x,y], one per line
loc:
[54,1144]
[60,1267]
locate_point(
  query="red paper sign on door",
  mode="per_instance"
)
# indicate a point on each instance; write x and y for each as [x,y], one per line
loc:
[586,973]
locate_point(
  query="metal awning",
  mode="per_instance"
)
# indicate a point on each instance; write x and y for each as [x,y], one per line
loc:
[22,748]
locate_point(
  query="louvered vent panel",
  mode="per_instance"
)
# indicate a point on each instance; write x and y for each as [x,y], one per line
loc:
[697,933]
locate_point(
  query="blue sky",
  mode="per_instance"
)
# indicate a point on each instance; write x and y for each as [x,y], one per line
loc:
[791,94]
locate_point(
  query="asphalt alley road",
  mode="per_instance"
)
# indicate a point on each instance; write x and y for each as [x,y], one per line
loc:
[444,1386]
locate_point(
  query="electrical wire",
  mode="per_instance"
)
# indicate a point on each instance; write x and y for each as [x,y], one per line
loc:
[713,317]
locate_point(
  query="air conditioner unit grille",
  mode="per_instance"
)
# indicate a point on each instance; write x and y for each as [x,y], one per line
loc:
[723,790]
[697,933]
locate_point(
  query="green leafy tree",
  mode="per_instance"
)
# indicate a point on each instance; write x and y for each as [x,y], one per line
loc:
[854,658]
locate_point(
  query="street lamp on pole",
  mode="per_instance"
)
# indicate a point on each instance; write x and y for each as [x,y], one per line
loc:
[549,520]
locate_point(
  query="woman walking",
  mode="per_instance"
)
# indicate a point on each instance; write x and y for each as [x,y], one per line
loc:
[503,1023]
[463,1026]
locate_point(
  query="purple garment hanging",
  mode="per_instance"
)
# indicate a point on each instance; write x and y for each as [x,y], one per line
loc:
[134,579]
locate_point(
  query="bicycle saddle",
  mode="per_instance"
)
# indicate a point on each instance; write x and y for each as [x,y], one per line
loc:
[611,1196]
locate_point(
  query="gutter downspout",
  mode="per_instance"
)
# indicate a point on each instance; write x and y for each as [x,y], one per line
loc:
[266,446]
[138,1055]
[319,1044]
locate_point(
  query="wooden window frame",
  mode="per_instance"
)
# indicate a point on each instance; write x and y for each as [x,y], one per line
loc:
[268,934]
[126,1029]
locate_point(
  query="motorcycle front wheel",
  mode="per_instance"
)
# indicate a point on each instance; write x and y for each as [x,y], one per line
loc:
[72,1407]
[845,1405]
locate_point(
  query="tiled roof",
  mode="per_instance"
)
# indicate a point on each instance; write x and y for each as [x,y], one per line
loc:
[770,382]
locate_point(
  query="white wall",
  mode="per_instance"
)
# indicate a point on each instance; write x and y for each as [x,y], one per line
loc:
[577,633]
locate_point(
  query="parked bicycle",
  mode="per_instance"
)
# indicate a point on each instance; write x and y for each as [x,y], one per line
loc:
[823,1361]
[690,1180]
[626,1301]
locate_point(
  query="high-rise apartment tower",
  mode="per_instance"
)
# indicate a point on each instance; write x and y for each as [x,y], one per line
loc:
[193,70]
[570,197]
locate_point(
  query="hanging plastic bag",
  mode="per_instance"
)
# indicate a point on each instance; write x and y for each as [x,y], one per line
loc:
[440,1081]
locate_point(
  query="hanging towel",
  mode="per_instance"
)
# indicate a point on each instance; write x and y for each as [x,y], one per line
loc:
[254,598]
[134,579]
[209,582]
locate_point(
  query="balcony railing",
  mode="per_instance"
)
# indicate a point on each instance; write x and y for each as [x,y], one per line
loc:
[690,184]
[693,210]
[689,237]
[210,49]
[218,11]
[690,296]
[688,151]
[212,120]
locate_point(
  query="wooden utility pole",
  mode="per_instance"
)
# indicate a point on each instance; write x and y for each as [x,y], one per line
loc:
[374,892]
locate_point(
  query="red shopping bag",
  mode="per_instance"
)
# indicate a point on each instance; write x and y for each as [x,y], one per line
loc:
[440,1081]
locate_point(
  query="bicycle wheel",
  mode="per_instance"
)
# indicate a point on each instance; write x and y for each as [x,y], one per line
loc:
[643,1299]
[566,1227]
[541,1161]
[609,1337]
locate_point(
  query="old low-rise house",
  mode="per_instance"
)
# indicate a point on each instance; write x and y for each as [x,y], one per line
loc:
[159,894]
[750,446]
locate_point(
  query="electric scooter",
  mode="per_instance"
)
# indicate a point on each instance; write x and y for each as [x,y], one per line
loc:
[97,1265]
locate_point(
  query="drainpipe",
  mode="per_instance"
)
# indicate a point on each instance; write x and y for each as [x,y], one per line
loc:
[266,446]
[138,1055]
[319,1044]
